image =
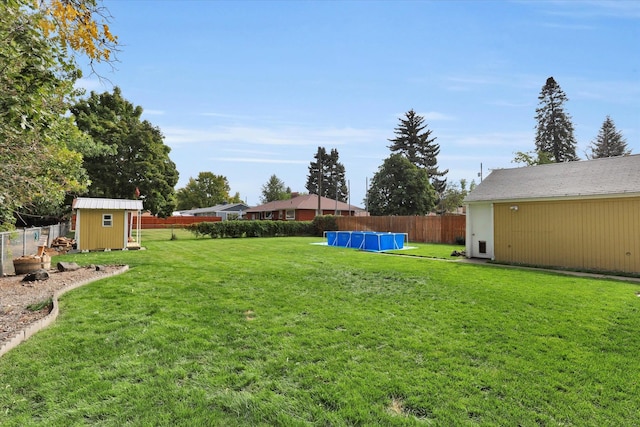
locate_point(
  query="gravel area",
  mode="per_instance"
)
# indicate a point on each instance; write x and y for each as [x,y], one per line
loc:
[16,296]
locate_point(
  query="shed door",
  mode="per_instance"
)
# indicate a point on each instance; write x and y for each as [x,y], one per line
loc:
[480,231]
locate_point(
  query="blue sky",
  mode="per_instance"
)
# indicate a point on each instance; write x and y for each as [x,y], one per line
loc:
[247,89]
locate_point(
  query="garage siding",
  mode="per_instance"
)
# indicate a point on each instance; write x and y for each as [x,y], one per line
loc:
[596,234]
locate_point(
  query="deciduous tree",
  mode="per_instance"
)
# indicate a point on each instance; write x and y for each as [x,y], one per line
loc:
[531,158]
[204,191]
[554,131]
[609,142]
[40,160]
[36,82]
[81,25]
[141,160]
[454,196]
[327,176]
[400,188]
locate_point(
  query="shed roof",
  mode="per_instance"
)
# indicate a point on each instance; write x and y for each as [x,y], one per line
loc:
[307,201]
[112,204]
[606,177]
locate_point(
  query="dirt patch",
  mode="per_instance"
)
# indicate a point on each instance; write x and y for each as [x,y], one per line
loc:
[18,299]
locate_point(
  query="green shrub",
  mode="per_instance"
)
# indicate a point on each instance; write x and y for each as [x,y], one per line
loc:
[241,228]
[324,223]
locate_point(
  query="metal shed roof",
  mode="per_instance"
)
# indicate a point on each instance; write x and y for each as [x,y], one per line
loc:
[606,177]
[113,204]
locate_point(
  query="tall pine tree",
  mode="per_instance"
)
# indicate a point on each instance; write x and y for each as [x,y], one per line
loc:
[554,132]
[609,142]
[413,140]
[327,176]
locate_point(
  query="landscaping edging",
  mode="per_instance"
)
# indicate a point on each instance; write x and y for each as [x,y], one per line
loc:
[40,324]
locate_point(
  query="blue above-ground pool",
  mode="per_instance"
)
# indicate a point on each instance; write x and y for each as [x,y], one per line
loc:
[357,239]
[366,240]
[343,239]
[332,238]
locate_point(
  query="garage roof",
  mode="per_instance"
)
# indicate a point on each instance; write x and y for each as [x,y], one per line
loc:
[113,204]
[306,201]
[611,176]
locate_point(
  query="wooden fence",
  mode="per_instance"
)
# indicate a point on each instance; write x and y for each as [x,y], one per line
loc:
[424,229]
[149,222]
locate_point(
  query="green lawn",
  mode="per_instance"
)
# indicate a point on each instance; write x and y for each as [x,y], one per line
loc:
[429,250]
[247,332]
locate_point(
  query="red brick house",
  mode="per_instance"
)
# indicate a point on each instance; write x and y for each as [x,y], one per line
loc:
[302,208]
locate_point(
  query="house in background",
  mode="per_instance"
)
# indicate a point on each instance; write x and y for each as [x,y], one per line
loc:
[579,215]
[106,224]
[302,208]
[226,211]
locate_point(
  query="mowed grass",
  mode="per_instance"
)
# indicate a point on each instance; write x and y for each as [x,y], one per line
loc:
[249,332]
[440,251]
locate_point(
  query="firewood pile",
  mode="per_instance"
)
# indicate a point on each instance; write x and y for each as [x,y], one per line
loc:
[62,244]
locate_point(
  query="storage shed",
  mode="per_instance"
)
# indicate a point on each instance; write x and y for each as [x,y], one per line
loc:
[105,224]
[578,215]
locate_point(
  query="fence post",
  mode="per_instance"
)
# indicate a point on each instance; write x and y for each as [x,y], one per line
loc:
[2,254]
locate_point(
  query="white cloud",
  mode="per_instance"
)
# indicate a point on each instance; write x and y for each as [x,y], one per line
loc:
[593,8]
[565,26]
[254,152]
[260,160]
[223,115]
[283,136]
[472,82]
[494,139]
[510,104]
[153,113]
[611,91]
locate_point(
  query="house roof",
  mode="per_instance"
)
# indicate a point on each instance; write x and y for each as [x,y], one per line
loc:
[113,204]
[308,201]
[612,176]
[233,207]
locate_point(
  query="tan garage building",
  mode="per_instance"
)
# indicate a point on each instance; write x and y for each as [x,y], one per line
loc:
[579,215]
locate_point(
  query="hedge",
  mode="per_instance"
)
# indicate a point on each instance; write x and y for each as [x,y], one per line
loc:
[243,228]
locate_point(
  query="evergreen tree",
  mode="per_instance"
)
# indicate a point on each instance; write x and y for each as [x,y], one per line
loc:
[554,132]
[413,140]
[609,142]
[400,188]
[274,190]
[141,160]
[327,176]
